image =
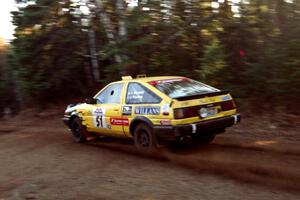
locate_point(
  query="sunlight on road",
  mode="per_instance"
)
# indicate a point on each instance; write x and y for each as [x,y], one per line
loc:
[266,142]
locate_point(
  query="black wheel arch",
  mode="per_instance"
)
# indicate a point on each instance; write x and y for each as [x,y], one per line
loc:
[72,117]
[137,120]
[77,129]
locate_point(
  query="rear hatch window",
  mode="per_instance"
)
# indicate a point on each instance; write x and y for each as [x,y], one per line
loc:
[183,88]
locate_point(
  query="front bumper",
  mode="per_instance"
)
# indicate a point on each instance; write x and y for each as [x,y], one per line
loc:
[204,128]
[66,120]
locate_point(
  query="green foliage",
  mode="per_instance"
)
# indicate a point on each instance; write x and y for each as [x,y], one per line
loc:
[254,53]
[212,62]
[46,51]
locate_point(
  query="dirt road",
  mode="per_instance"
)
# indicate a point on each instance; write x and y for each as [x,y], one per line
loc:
[40,161]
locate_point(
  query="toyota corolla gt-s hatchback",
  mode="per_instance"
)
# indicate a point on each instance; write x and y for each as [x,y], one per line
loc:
[152,110]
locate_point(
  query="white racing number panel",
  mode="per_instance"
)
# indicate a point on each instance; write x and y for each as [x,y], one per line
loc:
[99,118]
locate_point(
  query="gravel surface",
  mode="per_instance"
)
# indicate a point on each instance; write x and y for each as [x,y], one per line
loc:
[39,160]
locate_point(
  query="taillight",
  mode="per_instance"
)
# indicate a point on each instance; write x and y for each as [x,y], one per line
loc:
[228,105]
[181,113]
[178,113]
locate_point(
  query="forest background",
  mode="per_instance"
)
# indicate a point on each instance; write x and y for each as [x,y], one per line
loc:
[69,49]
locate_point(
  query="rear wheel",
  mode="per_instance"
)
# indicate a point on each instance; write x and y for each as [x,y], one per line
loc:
[144,138]
[78,130]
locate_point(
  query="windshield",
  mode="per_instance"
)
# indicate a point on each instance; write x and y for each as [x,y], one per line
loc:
[182,87]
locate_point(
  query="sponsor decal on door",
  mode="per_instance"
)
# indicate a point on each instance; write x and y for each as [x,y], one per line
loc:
[119,121]
[147,110]
[127,110]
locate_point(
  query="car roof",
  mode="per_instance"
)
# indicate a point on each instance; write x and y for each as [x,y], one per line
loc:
[148,79]
[142,80]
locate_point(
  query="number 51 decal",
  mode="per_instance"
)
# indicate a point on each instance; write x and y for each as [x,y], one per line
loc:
[99,118]
[99,122]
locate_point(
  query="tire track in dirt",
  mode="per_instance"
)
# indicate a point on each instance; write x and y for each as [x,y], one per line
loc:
[258,145]
[266,162]
[247,162]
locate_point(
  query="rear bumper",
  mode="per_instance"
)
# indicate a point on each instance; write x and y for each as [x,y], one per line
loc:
[205,128]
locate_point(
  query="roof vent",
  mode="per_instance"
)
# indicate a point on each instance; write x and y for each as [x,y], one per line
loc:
[126,78]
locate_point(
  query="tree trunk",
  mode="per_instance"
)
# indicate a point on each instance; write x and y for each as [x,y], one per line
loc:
[109,30]
[93,52]
[89,76]
[122,31]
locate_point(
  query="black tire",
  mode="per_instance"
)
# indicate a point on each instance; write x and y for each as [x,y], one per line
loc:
[144,138]
[78,130]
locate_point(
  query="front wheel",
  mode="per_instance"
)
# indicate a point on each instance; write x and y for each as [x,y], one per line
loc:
[144,138]
[78,131]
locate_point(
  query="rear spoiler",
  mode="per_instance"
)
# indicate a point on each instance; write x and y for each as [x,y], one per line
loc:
[211,94]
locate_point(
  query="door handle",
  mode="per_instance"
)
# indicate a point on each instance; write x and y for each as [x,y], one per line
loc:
[115,109]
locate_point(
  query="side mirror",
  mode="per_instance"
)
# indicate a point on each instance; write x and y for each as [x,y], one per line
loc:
[90,101]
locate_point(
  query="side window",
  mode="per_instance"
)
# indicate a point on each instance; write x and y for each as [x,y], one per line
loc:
[111,94]
[138,94]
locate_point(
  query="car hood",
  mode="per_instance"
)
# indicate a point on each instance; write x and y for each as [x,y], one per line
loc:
[73,107]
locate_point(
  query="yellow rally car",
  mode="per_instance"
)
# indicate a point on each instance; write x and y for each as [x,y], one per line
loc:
[152,110]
